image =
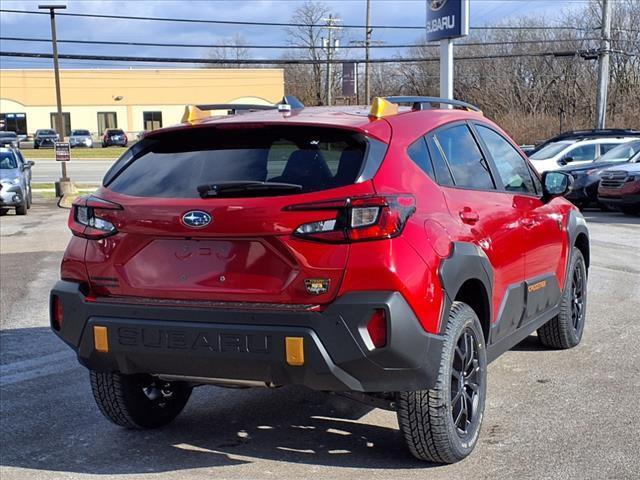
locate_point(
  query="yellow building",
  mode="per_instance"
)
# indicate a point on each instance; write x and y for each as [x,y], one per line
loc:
[133,100]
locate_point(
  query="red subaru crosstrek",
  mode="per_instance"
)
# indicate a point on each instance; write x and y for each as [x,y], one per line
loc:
[388,255]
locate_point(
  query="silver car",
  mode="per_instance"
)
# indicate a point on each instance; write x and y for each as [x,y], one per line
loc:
[9,138]
[80,138]
[15,181]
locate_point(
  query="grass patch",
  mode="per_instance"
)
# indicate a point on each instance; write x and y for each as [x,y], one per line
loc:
[88,153]
[79,186]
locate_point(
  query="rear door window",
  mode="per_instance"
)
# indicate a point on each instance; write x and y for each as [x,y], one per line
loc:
[174,164]
[467,164]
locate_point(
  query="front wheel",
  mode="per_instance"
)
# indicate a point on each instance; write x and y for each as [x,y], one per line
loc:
[138,401]
[442,424]
[565,330]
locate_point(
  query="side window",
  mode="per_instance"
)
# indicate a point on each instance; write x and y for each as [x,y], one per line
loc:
[419,153]
[468,166]
[583,153]
[512,168]
[443,174]
[605,147]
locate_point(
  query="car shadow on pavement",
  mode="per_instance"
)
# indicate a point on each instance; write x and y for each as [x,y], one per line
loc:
[50,422]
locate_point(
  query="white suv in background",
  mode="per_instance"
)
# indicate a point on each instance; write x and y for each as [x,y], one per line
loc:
[575,152]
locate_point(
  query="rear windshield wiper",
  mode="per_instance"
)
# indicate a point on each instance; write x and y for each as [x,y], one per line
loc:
[246,189]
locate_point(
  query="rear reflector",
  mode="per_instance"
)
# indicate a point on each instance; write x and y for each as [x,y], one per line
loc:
[377,328]
[295,351]
[57,313]
[100,339]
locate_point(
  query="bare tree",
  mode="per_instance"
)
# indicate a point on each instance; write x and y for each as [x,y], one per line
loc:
[310,18]
[235,49]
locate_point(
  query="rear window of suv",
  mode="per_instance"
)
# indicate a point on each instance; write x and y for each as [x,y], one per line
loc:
[174,164]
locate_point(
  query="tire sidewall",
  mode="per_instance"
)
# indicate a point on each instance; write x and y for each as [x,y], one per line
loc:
[577,261]
[464,318]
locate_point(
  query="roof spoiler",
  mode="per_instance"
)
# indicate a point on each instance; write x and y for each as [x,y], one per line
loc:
[198,112]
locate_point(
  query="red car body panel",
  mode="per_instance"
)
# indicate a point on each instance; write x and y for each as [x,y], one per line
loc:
[249,252]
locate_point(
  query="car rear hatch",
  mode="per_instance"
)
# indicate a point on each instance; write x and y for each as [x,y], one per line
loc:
[209,214]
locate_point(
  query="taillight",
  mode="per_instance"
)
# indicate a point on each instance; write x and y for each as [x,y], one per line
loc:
[126,139]
[357,218]
[87,220]
[377,328]
[57,313]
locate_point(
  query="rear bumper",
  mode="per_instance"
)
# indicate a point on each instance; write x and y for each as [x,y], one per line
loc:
[249,345]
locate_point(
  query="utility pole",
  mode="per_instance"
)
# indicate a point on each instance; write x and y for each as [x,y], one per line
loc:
[330,46]
[56,71]
[603,65]
[367,45]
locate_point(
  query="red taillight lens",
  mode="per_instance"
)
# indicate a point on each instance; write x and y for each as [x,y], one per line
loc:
[86,221]
[377,328]
[358,219]
[57,313]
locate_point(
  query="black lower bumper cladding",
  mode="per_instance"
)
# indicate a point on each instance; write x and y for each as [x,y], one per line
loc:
[250,345]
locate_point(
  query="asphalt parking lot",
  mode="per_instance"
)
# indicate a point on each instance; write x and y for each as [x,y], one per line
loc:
[550,414]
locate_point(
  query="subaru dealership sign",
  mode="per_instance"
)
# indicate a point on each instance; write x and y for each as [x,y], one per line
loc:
[447,19]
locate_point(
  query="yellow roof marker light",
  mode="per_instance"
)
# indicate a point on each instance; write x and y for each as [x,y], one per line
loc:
[192,114]
[382,108]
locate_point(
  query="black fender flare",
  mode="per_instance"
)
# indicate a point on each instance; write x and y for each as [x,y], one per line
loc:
[466,261]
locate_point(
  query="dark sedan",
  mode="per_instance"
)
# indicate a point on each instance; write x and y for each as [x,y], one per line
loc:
[114,136]
[45,138]
[587,176]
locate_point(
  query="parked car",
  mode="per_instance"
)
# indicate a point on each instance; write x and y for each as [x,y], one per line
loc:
[9,138]
[587,134]
[45,138]
[587,176]
[620,188]
[388,256]
[15,181]
[574,152]
[80,138]
[114,136]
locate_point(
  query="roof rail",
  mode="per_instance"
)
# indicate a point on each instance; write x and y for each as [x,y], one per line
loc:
[198,112]
[424,103]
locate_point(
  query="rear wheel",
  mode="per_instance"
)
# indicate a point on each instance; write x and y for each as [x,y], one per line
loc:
[138,401]
[630,210]
[565,330]
[442,424]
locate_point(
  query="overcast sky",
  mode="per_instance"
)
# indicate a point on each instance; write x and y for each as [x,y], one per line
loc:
[384,12]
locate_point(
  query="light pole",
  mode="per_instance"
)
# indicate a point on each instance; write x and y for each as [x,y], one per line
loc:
[60,128]
[603,65]
[367,44]
[331,45]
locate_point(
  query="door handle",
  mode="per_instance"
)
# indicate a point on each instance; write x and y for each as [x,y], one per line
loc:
[469,216]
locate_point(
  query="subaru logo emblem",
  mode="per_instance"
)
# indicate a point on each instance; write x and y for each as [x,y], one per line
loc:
[437,4]
[196,219]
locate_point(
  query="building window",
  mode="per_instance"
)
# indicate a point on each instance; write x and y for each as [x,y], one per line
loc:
[107,120]
[14,122]
[66,122]
[152,120]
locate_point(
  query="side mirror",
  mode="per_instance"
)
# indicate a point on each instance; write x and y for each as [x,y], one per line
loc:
[31,163]
[568,159]
[555,184]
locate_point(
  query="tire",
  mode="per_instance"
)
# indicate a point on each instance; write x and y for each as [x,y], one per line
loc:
[36,146]
[22,208]
[630,210]
[3,211]
[138,401]
[426,417]
[565,330]
[29,199]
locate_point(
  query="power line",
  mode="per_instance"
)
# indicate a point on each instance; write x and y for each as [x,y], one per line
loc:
[265,61]
[274,47]
[277,24]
